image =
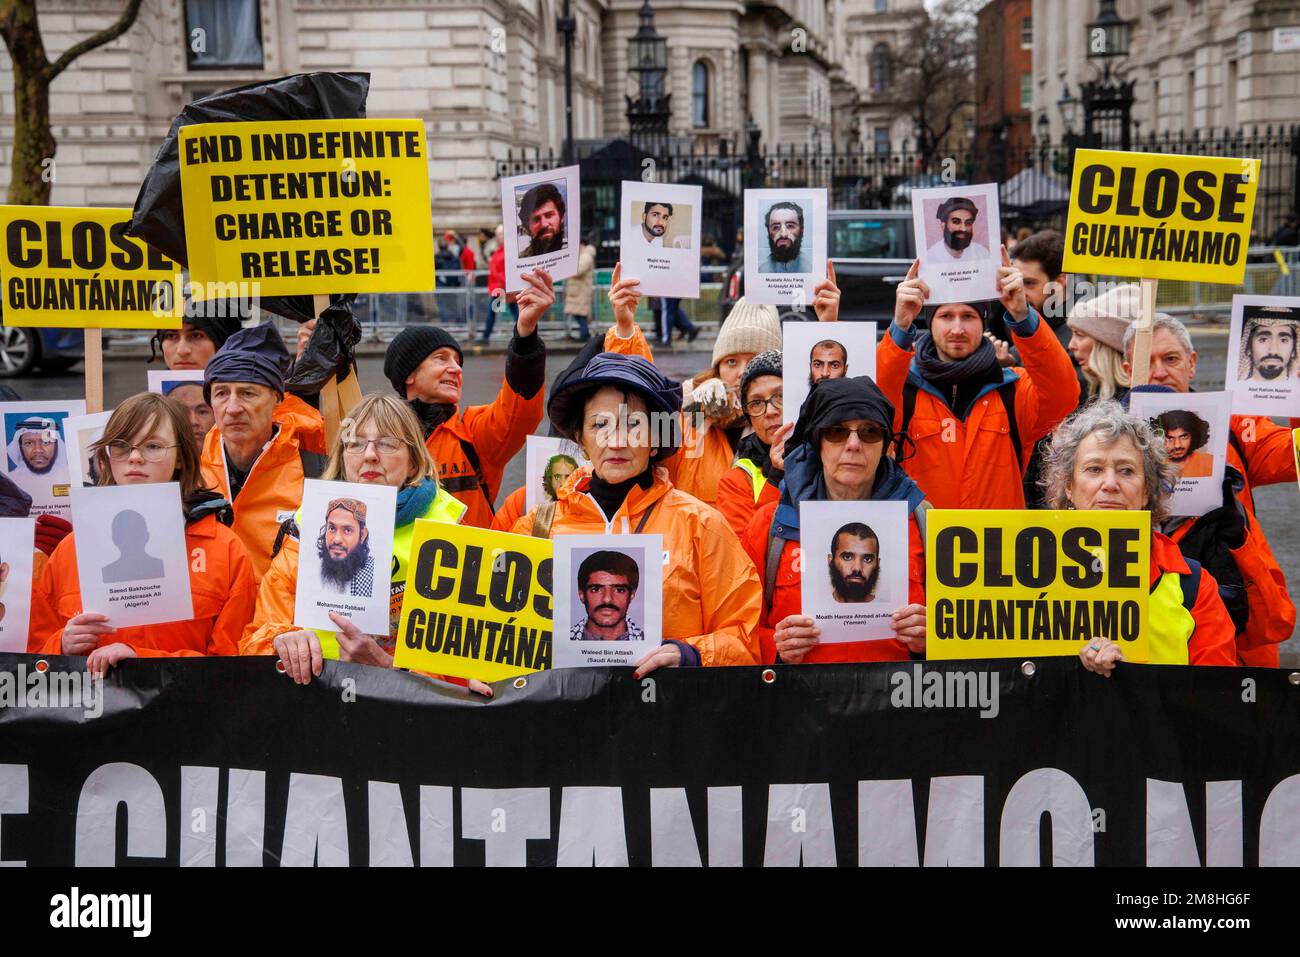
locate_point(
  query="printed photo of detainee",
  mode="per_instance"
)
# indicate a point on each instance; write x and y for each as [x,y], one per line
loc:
[827,360]
[788,249]
[190,394]
[663,224]
[854,564]
[543,223]
[1268,344]
[607,587]
[956,231]
[37,456]
[557,472]
[346,565]
[1186,435]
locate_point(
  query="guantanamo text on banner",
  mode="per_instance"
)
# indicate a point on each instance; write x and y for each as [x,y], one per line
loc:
[72,267]
[308,207]
[1160,215]
[477,603]
[1002,584]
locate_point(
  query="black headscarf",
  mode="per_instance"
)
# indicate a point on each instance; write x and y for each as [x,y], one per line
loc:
[840,400]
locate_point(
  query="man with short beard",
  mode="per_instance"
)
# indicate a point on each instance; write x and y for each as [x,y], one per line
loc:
[958,243]
[541,214]
[655,218]
[828,359]
[1186,433]
[346,565]
[37,454]
[854,564]
[786,253]
[1270,352]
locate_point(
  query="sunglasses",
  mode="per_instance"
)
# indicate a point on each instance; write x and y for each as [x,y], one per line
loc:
[867,434]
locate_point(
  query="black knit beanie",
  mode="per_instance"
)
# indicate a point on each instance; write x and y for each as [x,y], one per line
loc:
[765,363]
[412,346]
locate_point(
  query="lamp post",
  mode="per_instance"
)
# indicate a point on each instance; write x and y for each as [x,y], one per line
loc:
[1068,106]
[566,25]
[1110,98]
[648,107]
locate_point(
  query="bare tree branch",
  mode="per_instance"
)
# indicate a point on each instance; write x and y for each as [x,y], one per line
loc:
[107,35]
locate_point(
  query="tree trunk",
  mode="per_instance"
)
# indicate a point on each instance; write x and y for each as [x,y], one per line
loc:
[33,141]
[31,170]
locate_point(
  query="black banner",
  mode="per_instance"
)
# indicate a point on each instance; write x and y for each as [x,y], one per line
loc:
[226,762]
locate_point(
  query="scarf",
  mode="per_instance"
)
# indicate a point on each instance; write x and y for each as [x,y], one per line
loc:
[959,381]
[610,496]
[431,416]
[413,501]
[752,447]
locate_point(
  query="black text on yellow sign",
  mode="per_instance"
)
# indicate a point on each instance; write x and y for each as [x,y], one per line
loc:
[308,207]
[1160,216]
[75,268]
[477,603]
[1002,584]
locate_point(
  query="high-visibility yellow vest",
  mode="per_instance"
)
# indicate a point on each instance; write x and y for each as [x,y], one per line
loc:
[756,477]
[445,507]
[1170,621]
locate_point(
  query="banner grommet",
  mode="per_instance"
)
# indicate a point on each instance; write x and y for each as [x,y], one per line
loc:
[768,676]
[279,665]
[520,682]
[1294,677]
[43,666]
[1028,668]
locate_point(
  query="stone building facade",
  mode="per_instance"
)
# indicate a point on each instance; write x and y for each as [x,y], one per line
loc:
[1198,64]
[486,76]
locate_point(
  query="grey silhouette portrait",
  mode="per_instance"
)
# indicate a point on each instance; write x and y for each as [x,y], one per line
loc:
[134,564]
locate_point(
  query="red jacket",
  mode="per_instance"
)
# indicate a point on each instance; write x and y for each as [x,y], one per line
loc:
[787,597]
[1214,640]
[497,270]
[971,463]
[221,583]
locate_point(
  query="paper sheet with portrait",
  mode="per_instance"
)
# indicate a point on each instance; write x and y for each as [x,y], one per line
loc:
[1263,371]
[823,350]
[548,463]
[17,544]
[82,432]
[785,246]
[132,559]
[660,238]
[542,219]
[345,554]
[1195,428]
[609,599]
[958,240]
[36,452]
[854,559]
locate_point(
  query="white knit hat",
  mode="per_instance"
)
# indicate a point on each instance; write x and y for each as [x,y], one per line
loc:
[748,328]
[1106,317]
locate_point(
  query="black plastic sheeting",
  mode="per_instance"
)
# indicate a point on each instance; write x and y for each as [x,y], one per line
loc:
[826,727]
[159,216]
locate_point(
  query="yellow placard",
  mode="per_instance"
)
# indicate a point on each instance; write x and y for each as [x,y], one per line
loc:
[1160,216]
[308,207]
[477,603]
[1004,584]
[71,267]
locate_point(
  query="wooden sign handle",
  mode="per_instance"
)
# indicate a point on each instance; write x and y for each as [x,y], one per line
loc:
[336,398]
[1142,333]
[94,365]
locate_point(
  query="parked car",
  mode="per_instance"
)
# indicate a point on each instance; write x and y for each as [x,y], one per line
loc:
[903,191]
[23,350]
[872,250]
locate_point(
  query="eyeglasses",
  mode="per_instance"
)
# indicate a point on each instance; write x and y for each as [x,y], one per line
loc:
[151,451]
[386,446]
[867,434]
[759,406]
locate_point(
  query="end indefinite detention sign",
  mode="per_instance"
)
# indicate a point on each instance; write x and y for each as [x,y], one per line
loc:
[308,207]
[1160,216]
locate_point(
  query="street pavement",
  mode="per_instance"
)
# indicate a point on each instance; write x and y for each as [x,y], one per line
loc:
[1276,505]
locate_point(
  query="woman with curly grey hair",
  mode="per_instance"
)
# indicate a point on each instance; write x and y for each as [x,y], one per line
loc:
[1104,458]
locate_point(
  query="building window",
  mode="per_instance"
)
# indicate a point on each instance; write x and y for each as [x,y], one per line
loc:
[1026,33]
[1026,90]
[882,140]
[700,94]
[881,68]
[882,6]
[223,34]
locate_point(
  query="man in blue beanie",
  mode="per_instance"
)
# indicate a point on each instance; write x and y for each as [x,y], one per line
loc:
[472,447]
[261,447]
